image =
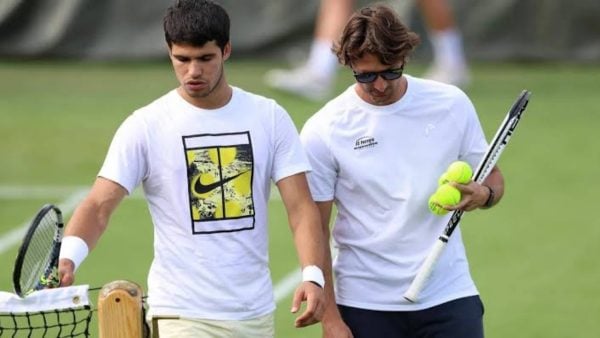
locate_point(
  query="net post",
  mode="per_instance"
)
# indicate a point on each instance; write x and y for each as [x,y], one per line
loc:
[120,311]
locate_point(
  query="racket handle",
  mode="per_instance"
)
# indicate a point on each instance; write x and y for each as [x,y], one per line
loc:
[417,285]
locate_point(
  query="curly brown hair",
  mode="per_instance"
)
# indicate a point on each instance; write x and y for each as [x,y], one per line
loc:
[375,30]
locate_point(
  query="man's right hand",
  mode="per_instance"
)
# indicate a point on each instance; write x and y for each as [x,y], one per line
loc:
[66,272]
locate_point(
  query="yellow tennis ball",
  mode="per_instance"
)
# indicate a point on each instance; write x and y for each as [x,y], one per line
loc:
[459,172]
[444,195]
[443,179]
[435,208]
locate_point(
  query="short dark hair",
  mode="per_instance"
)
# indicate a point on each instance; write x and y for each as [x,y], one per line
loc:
[375,30]
[196,22]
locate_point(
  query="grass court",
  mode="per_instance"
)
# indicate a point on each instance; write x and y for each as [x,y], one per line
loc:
[533,257]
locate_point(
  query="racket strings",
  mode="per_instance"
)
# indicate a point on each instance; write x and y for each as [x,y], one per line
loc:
[37,260]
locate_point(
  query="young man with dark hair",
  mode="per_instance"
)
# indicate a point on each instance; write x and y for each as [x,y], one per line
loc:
[206,154]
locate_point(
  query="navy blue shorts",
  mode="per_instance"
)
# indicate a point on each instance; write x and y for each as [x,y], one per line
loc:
[460,318]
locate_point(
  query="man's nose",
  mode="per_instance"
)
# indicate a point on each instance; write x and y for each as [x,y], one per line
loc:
[195,69]
[380,83]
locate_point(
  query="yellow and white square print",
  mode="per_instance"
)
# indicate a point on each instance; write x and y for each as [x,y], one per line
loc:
[220,170]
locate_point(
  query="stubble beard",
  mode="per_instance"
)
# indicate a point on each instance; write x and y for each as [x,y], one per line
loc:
[205,93]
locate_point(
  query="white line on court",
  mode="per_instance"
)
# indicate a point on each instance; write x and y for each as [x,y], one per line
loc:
[16,235]
[286,286]
[17,192]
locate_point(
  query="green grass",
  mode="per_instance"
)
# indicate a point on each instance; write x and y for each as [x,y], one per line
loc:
[533,256]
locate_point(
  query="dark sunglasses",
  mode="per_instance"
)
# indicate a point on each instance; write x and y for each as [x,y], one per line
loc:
[388,74]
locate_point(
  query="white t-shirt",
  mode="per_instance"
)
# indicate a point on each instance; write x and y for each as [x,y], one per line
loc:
[380,164]
[207,175]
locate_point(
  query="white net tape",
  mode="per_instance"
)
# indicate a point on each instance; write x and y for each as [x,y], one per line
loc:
[45,300]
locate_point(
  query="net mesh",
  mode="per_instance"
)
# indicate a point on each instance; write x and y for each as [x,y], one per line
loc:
[52,313]
[73,322]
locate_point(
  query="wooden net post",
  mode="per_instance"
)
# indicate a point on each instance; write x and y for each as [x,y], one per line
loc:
[120,312]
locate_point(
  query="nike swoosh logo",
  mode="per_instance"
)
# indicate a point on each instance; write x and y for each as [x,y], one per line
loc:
[200,188]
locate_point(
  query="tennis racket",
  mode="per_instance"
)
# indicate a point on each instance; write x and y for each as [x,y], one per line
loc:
[486,165]
[36,266]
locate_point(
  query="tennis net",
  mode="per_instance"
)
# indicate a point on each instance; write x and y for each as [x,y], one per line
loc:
[53,313]
[67,312]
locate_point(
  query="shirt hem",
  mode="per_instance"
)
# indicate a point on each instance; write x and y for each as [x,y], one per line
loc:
[407,307]
[245,315]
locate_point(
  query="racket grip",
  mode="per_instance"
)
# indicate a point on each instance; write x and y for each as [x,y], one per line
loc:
[417,285]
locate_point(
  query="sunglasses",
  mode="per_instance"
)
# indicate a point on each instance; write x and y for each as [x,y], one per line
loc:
[388,74]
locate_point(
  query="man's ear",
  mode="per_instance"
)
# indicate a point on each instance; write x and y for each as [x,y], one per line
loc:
[227,51]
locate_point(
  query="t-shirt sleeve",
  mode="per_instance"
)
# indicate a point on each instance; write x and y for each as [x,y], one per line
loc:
[322,178]
[125,162]
[289,156]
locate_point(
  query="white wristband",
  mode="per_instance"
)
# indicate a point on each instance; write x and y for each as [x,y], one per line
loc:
[313,273]
[73,248]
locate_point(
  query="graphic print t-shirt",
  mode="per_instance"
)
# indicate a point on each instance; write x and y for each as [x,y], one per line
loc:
[207,175]
[220,182]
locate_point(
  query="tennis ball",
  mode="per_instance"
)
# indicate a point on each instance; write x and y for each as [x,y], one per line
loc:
[52,280]
[444,195]
[435,208]
[459,172]
[443,179]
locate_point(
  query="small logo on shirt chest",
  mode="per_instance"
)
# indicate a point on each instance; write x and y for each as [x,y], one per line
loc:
[364,142]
